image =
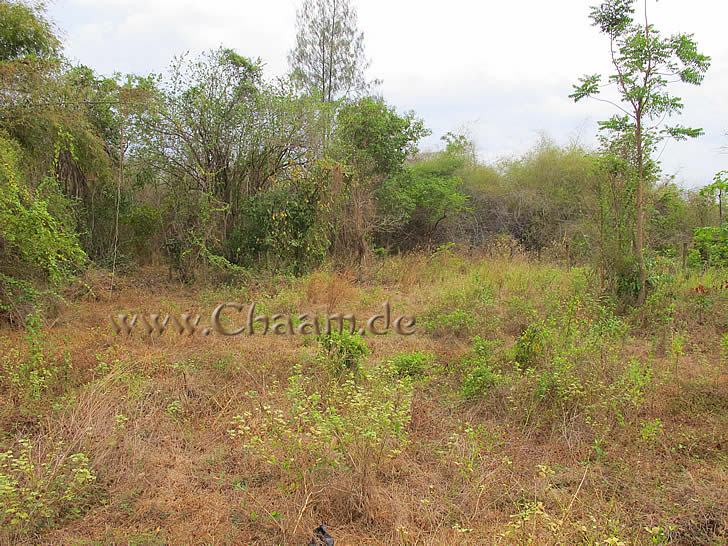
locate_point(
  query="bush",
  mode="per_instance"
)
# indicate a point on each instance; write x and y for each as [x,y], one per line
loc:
[36,251]
[532,345]
[281,227]
[412,364]
[342,351]
[31,374]
[711,246]
[456,323]
[481,375]
[36,495]
[355,422]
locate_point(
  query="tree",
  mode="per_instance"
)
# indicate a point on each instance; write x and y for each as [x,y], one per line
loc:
[645,65]
[328,59]
[39,249]
[219,135]
[717,190]
[413,203]
[25,32]
[372,143]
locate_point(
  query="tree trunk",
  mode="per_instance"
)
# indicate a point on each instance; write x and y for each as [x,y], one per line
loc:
[640,224]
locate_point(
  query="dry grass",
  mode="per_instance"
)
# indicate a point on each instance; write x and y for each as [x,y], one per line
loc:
[153,416]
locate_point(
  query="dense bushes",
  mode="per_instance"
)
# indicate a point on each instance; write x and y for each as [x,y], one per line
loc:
[37,252]
[711,246]
[216,169]
[36,493]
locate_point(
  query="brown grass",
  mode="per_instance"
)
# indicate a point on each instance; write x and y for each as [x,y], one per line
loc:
[169,473]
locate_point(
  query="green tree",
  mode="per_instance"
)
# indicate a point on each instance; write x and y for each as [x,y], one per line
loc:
[372,142]
[25,32]
[219,135]
[645,64]
[413,203]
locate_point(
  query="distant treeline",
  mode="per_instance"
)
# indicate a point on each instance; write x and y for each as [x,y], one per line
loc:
[217,170]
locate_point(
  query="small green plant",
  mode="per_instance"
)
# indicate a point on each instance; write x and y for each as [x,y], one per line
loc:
[120,421]
[634,383]
[174,409]
[661,535]
[598,447]
[651,430]
[31,374]
[456,323]
[342,351]
[414,364]
[677,349]
[36,494]
[481,375]
[532,345]
[356,422]
[470,448]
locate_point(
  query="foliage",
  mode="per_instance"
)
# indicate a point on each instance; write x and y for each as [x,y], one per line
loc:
[285,225]
[354,423]
[37,252]
[372,143]
[29,375]
[711,245]
[342,351]
[375,139]
[415,364]
[25,32]
[481,375]
[328,59]
[42,493]
[645,64]
[455,323]
[415,201]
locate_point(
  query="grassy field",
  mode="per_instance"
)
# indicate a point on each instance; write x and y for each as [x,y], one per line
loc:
[525,410]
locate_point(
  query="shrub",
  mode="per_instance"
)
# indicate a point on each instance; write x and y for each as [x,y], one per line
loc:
[569,370]
[30,374]
[711,246]
[36,251]
[342,351]
[413,364]
[354,423]
[281,227]
[36,495]
[531,347]
[481,375]
[456,323]
[651,430]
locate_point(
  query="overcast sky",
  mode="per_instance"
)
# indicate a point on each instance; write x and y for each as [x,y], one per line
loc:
[500,70]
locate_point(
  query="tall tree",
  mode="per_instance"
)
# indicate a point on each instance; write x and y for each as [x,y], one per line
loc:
[328,59]
[645,64]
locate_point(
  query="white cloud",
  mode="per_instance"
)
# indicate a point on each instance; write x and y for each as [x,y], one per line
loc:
[503,69]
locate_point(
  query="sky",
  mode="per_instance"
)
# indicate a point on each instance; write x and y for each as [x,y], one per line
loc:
[499,71]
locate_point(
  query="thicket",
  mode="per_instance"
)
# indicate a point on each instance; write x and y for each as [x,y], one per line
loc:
[216,170]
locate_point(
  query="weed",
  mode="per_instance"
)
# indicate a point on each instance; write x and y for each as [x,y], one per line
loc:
[120,421]
[414,365]
[480,373]
[342,352]
[352,423]
[31,375]
[41,494]
[455,323]
[174,409]
[651,430]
